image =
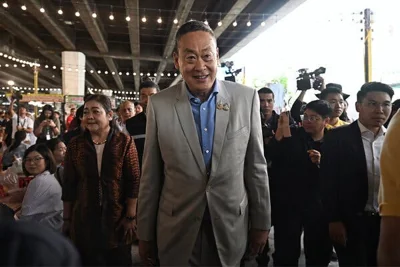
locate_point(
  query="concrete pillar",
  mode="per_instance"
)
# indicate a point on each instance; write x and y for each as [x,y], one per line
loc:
[73,73]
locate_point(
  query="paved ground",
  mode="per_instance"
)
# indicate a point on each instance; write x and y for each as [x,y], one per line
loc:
[136,258]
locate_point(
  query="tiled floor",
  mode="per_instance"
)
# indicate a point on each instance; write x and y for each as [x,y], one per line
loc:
[136,258]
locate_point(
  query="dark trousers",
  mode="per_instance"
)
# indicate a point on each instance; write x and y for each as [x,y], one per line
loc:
[362,241]
[288,227]
[120,256]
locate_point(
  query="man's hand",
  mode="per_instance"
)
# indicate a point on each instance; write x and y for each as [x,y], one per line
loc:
[337,232]
[147,253]
[258,240]
[315,156]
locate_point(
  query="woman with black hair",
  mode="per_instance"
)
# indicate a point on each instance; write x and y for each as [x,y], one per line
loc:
[47,126]
[16,150]
[42,201]
[58,148]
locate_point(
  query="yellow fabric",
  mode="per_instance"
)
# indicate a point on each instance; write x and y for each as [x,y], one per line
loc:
[390,170]
[338,124]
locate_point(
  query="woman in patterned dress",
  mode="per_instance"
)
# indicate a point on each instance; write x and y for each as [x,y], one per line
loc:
[101,183]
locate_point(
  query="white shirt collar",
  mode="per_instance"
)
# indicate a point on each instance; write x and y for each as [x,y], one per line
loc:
[364,129]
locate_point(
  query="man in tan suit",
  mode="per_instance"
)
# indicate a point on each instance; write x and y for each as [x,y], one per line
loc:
[204,196]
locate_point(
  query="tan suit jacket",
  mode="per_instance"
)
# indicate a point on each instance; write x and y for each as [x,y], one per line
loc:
[175,186]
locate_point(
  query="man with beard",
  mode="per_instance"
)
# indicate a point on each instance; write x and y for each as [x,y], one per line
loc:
[336,98]
[350,176]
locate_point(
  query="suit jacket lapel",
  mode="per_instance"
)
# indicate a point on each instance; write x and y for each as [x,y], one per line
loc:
[221,124]
[358,147]
[185,116]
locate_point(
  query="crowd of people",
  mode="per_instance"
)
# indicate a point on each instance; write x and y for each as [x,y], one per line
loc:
[197,174]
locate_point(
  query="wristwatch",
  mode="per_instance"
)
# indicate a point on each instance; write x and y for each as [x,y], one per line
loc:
[129,218]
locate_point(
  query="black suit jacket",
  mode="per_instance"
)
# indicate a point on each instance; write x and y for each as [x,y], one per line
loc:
[344,174]
[136,126]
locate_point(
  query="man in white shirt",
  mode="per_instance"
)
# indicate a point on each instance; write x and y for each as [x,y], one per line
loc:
[23,123]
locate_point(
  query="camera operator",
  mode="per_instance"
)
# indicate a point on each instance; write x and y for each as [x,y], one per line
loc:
[295,155]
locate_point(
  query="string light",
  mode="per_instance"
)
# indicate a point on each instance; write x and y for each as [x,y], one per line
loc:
[23,7]
[234,23]
[263,23]
[219,23]
[60,12]
[94,15]
[159,20]
[128,18]
[5,5]
[77,14]
[111,17]
[175,21]
[248,23]
[42,10]
[144,19]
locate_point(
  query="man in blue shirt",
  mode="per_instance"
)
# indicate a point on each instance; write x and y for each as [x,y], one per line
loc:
[204,177]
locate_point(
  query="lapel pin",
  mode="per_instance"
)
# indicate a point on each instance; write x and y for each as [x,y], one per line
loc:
[220,106]
[226,107]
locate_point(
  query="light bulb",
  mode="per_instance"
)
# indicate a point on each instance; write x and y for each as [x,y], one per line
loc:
[77,13]
[175,74]
[47,66]
[99,71]
[42,10]
[111,17]
[23,7]
[169,74]
[248,23]
[91,71]
[220,23]
[106,72]
[144,19]
[5,5]
[119,73]
[175,21]
[159,20]
[128,18]
[60,12]
[94,15]
[148,74]
[234,23]
[263,23]
[141,74]
[127,74]
[54,67]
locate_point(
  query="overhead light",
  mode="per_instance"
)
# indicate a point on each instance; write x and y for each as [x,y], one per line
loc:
[54,67]
[94,15]
[119,73]
[175,21]
[248,23]
[23,7]
[234,23]
[128,18]
[42,10]
[91,71]
[206,22]
[106,72]
[175,74]
[148,74]
[10,83]
[219,23]
[111,17]
[141,74]
[127,74]
[159,20]
[47,66]
[113,73]
[263,23]
[60,12]
[77,13]
[5,5]
[144,19]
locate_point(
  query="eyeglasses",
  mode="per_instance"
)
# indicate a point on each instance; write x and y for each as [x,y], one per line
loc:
[311,118]
[375,105]
[34,160]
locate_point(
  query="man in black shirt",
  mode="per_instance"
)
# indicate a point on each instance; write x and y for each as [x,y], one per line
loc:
[136,125]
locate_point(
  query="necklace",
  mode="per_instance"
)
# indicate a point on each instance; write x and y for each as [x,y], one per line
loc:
[99,143]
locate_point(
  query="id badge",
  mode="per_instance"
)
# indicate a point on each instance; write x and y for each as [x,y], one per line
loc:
[48,137]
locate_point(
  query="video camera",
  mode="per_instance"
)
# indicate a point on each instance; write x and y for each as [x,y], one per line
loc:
[308,80]
[230,71]
[16,95]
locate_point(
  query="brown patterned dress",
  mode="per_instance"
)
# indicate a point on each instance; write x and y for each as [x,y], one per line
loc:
[99,201]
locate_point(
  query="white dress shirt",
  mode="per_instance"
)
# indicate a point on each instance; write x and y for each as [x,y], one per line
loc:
[372,148]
